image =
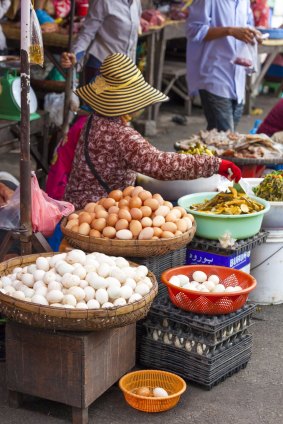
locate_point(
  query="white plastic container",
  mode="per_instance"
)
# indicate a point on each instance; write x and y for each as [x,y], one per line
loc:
[267,269]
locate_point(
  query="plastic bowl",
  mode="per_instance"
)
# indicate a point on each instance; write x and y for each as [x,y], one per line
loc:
[210,303]
[213,226]
[172,383]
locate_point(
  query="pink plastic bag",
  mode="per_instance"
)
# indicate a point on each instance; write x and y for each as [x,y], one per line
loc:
[46,212]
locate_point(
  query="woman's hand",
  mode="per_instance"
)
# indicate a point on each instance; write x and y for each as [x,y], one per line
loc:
[5,194]
[247,35]
[68,60]
[230,170]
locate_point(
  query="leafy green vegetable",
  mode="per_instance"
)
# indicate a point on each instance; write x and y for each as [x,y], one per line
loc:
[271,188]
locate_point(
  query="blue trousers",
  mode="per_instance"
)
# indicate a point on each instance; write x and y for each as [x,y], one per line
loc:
[221,113]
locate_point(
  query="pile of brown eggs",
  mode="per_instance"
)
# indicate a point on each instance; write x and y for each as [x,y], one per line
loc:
[133,213]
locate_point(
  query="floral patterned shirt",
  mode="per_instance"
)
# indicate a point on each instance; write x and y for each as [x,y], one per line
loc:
[118,152]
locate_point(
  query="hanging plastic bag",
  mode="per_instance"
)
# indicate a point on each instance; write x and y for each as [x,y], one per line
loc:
[46,212]
[54,104]
[36,52]
[247,57]
[10,212]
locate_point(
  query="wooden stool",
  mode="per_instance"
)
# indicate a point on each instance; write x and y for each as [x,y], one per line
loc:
[67,367]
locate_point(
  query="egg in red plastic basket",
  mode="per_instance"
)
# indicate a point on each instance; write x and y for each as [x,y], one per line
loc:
[210,303]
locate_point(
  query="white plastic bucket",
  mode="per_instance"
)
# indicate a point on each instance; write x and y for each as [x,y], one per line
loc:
[267,269]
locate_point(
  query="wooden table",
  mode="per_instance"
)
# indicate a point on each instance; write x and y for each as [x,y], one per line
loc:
[272,48]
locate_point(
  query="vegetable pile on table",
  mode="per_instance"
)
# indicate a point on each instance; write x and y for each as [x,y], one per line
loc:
[232,203]
[78,280]
[198,149]
[271,188]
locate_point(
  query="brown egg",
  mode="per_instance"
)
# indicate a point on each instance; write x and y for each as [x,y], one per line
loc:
[72,223]
[116,195]
[124,214]
[113,209]
[182,210]
[136,213]
[122,224]
[146,211]
[107,203]
[158,221]
[98,224]
[123,202]
[146,222]
[143,195]
[92,214]
[171,217]
[182,225]
[162,210]
[135,202]
[169,226]
[136,191]
[75,228]
[101,214]
[146,233]
[158,198]
[84,229]
[135,227]
[157,232]
[178,233]
[95,233]
[126,208]
[128,191]
[73,216]
[89,207]
[99,208]
[177,212]
[152,203]
[188,215]
[155,238]
[167,234]
[100,201]
[127,198]
[169,204]
[144,391]
[112,219]
[188,221]
[84,217]
[109,232]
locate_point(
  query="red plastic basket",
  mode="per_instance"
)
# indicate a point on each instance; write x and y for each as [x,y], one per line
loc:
[210,303]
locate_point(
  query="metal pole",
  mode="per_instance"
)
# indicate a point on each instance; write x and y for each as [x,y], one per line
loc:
[25,166]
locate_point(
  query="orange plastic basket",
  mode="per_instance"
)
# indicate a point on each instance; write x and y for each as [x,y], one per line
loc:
[173,384]
[210,303]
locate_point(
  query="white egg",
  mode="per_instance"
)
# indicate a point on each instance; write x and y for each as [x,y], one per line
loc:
[54,296]
[199,276]
[78,292]
[135,298]
[63,267]
[28,291]
[159,392]
[107,305]
[195,285]
[148,282]
[42,263]
[58,277]
[175,281]
[83,284]
[89,293]
[111,282]
[142,289]
[219,288]
[38,275]
[129,272]
[130,282]
[19,295]
[120,302]
[69,299]
[126,292]
[3,291]
[54,285]
[91,262]
[183,279]
[189,286]
[203,289]
[104,270]
[37,298]
[102,296]
[209,285]
[229,289]
[25,269]
[238,288]
[119,274]
[6,281]
[28,279]
[80,271]
[96,281]
[10,290]
[16,270]
[81,305]
[214,278]
[114,292]
[70,280]
[31,268]
[49,276]
[56,258]
[41,290]
[38,284]
[57,305]
[142,270]
[76,256]
[16,284]
[93,304]
[121,262]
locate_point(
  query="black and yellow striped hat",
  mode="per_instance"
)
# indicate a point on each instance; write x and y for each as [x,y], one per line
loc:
[120,89]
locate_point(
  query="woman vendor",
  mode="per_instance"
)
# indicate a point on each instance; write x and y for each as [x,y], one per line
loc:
[110,153]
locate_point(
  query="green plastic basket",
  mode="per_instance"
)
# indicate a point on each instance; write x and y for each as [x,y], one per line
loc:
[212,226]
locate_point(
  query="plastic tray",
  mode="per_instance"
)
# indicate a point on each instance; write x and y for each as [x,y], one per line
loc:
[239,247]
[274,33]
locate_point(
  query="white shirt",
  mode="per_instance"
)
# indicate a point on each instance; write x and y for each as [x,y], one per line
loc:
[111,26]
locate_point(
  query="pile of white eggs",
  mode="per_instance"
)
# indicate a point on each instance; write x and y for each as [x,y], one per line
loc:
[78,280]
[202,283]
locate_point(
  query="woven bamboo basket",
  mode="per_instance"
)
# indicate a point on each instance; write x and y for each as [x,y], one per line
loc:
[128,248]
[70,319]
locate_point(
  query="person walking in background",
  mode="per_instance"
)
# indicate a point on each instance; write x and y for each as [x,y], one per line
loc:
[111,26]
[216,31]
